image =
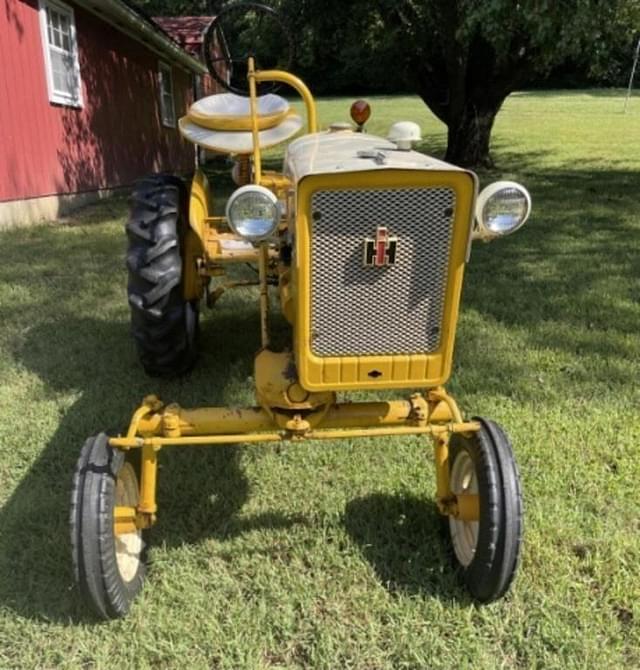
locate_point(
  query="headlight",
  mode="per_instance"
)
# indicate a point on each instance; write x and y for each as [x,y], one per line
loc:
[502,208]
[253,212]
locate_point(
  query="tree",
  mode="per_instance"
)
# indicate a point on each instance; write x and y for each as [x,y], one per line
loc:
[463,57]
[174,7]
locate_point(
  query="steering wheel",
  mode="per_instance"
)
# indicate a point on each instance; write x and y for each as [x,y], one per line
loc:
[242,30]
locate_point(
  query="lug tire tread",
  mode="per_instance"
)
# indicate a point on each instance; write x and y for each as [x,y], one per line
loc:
[159,313]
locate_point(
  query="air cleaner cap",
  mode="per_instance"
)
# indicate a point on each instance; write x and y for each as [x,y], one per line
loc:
[403,134]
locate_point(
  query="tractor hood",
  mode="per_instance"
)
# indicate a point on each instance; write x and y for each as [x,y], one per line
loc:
[347,151]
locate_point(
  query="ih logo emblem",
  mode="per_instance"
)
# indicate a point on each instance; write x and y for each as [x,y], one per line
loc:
[382,250]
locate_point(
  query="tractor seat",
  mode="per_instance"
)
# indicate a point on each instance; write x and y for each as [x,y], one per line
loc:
[222,123]
[228,111]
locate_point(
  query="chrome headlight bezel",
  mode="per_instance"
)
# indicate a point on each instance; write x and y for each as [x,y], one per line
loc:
[483,229]
[268,198]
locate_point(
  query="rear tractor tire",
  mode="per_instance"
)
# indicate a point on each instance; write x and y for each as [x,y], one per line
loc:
[487,550]
[163,323]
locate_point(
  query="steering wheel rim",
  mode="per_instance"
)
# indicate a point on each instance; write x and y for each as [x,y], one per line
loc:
[215,29]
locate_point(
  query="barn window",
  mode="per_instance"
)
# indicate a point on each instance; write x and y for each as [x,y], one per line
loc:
[167,107]
[58,28]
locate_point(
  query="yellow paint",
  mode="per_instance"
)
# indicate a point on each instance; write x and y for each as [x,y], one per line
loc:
[441,456]
[399,371]
[284,435]
[124,520]
[287,303]
[240,123]
[467,507]
[253,105]
[149,472]
[173,424]
[192,281]
[263,273]
[300,87]
[277,385]
[200,205]
[304,416]
[276,182]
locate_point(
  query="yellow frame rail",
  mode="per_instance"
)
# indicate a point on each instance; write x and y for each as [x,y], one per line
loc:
[154,426]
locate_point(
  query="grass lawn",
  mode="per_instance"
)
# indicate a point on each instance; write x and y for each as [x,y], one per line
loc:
[328,555]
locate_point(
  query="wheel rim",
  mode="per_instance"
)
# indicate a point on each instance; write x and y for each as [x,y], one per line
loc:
[128,545]
[464,534]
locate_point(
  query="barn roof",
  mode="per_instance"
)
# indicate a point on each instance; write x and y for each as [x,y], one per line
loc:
[187,31]
[129,19]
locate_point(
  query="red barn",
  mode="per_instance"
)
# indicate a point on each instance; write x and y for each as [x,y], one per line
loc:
[90,93]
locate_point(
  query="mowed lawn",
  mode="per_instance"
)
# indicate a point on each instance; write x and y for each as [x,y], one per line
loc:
[328,555]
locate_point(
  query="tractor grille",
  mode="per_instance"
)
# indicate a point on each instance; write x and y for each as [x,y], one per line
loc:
[360,310]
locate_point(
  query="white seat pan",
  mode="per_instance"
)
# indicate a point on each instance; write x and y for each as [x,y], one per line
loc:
[230,104]
[238,142]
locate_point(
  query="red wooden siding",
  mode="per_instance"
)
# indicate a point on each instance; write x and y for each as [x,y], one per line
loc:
[115,138]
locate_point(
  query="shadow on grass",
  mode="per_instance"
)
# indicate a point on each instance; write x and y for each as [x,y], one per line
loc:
[200,491]
[401,537]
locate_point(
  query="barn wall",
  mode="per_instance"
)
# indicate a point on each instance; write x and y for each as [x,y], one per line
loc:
[48,149]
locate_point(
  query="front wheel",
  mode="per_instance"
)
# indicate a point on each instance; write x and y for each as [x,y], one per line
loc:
[109,569]
[487,550]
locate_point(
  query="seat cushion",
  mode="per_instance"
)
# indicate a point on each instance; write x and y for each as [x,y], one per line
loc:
[228,111]
[239,141]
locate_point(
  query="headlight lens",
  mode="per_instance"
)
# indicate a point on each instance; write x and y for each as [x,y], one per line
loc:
[502,208]
[253,212]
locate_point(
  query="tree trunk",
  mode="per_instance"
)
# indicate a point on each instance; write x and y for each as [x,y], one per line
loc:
[469,135]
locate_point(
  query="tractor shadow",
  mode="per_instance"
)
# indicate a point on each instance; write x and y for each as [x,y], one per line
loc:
[200,491]
[403,538]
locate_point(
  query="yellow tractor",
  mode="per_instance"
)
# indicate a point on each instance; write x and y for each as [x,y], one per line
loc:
[366,241]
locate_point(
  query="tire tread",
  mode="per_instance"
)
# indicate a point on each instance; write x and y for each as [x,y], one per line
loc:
[159,321]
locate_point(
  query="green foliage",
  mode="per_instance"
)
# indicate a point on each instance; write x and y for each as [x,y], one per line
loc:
[174,7]
[538,34]
[344,47]
[372,45]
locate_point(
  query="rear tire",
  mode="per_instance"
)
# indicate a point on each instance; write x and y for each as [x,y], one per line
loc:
[108,570]
[488,550]
[164,325]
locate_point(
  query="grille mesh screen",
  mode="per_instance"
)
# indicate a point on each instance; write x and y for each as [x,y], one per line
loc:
[357,310]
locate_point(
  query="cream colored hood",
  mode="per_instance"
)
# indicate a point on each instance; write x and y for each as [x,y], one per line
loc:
[348,151]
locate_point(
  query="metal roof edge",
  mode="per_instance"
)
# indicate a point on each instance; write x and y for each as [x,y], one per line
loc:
[142,28]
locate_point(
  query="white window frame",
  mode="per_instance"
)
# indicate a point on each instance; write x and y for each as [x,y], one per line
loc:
[59,97]
[167,115]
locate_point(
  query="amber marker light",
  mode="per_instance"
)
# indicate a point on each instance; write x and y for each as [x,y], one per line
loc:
[360,112]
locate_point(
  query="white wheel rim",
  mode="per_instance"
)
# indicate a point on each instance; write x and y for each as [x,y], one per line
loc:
[129,545]
[464,534]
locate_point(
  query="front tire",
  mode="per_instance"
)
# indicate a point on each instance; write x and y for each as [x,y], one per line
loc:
[108,569]
[488,550]
[164,324]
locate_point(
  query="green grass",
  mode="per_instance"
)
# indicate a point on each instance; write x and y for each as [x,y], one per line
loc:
[327,555]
